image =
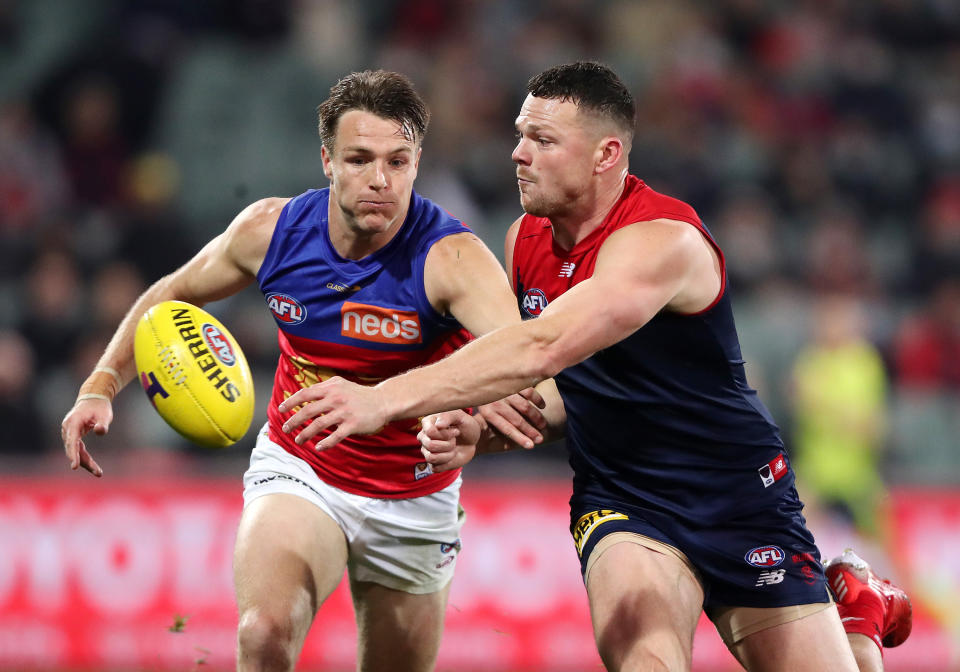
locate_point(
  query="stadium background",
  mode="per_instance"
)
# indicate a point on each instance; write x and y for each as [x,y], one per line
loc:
[819,139]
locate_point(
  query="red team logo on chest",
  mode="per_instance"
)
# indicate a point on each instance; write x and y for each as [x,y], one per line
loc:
[533,302]
[379,324]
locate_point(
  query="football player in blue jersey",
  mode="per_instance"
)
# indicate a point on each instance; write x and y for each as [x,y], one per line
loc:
[683,495]
[366,278]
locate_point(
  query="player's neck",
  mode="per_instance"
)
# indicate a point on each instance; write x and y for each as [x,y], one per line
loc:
[587,214]
[352,240]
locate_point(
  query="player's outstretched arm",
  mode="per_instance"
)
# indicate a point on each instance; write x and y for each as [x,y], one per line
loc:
[640,270]
[462,278]
[223,267]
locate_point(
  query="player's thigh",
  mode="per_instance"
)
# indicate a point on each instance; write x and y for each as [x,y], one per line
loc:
[398,631]
[813,643]
[645,602]
[289,556]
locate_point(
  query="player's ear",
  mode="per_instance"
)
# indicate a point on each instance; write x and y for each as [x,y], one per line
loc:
[326,158]
[609,152]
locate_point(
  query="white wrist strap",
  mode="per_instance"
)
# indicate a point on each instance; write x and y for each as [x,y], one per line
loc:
[91,395]
[113,372]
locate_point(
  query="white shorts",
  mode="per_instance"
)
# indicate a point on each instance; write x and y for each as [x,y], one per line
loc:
[403,544]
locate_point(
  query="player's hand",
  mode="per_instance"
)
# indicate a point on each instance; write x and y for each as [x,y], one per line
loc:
[95,414]
[449,440]
[351,408]
[517,417]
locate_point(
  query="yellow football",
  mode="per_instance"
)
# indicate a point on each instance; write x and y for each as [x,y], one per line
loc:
[194,373]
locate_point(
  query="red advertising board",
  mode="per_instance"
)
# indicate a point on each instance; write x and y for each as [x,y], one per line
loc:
[97,575]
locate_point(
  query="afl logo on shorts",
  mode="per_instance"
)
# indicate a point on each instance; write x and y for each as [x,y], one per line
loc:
[534,301]
[286,308]
[764,556]
[218,344]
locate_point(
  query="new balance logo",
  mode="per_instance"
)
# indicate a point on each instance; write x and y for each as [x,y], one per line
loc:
[770,578]
[566,270]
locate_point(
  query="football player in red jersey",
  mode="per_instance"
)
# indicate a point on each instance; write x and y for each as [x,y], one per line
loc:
[683,497]
[365,279]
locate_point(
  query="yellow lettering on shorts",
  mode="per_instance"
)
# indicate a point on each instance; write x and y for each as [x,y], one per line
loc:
[591,521]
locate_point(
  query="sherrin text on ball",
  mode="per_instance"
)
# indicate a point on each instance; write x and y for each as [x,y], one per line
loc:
[194,373]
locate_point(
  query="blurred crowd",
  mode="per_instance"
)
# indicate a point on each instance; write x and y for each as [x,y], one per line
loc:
[818,139]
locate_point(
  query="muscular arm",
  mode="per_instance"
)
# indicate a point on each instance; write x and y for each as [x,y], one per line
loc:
[464,279]
[641,269]
[224,266]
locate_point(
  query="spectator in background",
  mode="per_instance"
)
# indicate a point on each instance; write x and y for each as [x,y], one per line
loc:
[937,253]
[95,147]
[927,350]
[840,387]
[53,318]
[837,252]
[32,180]
[152,235]
[114,289]
[18,412]
[747,223]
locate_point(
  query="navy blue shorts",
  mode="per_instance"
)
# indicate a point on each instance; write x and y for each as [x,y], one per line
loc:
[766,559]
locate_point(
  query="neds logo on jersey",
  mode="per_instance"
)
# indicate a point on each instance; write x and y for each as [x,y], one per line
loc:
[764,556]
[379,324]
[218,344]
[533,302]
[286,308]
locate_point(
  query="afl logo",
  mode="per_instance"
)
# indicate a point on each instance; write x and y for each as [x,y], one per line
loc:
[286,308]
[764,556]
[218,344]
[533,302]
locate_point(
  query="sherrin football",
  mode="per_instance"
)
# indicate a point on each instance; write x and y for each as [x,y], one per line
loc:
[194,373]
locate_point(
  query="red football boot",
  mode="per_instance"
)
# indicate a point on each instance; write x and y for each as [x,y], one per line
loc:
[869,605]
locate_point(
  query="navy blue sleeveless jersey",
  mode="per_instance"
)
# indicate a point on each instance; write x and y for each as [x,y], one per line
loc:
[666,438]
[365,320]
[667,410]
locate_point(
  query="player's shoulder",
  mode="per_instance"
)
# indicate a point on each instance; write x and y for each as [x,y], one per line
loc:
[450,252]
[649,204]
[668,228]
[261,214]
[249,234]
[514,229]
[428,218]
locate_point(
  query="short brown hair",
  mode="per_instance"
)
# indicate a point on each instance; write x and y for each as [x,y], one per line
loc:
[590,86]
[386,94]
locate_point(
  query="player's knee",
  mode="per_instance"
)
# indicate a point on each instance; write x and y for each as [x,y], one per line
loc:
[266,639]
[646,661]
[657,654]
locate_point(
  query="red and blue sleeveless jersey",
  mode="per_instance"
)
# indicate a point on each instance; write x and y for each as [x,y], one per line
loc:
[364,320]
[665,417]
